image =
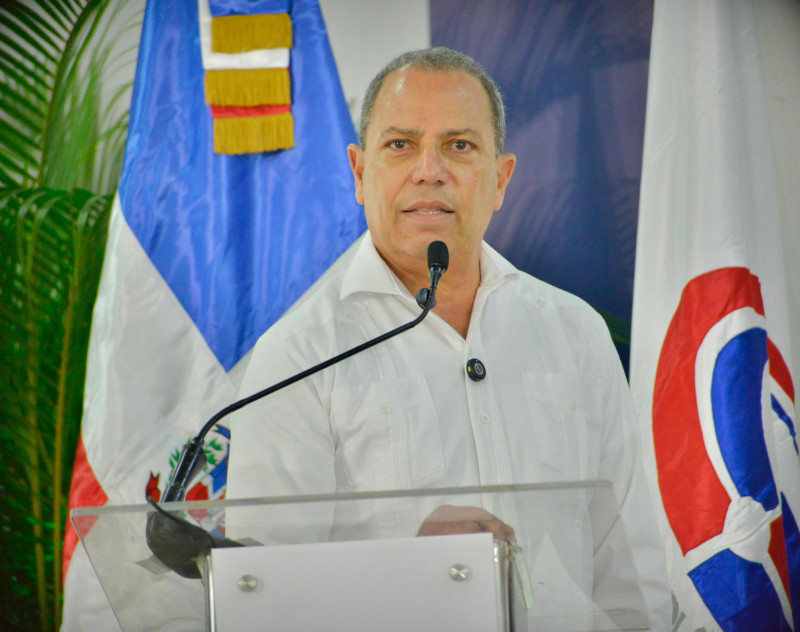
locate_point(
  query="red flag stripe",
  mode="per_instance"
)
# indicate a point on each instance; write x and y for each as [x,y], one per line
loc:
[777,551]
[85,491]
[696,504]
[235,111]
[779,370]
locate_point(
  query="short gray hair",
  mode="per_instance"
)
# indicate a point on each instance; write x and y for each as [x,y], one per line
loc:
[438,59]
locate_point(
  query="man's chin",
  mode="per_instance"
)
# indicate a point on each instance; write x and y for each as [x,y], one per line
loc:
[423,240]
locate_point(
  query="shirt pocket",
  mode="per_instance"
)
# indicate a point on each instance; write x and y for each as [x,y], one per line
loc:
[560,406]
[388,433]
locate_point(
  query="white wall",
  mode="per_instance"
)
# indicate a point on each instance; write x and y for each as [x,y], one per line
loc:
[366,34]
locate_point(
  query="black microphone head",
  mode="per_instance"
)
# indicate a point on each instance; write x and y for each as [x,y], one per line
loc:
[438,255]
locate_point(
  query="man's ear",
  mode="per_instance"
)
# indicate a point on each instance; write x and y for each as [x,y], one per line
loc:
[356,155]
[505,169]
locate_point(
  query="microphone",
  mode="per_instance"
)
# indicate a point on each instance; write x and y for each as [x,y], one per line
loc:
[176,542]
[438,260]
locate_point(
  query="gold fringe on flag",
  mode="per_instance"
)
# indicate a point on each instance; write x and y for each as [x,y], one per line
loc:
[253,134]
[250,86]
[241,33]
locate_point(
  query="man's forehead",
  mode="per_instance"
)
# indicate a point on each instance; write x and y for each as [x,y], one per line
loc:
[399,80]
[451,90]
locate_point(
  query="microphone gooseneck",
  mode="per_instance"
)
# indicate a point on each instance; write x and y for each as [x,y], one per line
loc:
[165,529]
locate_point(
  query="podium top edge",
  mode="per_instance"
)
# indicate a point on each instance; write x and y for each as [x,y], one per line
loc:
[348,496]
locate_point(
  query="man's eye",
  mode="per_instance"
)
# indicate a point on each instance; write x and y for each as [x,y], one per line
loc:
[461,145]
[398,144]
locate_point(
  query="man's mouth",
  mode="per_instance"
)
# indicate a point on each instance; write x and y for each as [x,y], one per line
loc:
[429,208]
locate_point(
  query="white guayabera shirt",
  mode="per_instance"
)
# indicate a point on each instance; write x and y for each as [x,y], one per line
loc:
[554,406]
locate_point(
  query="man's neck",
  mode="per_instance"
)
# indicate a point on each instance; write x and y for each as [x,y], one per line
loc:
[455,295]
[454,306]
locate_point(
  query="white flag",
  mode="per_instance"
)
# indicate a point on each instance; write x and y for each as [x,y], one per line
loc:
[710,361]
[205,252]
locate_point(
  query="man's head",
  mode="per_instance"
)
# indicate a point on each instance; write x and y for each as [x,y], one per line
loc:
[439,59]
[428,167]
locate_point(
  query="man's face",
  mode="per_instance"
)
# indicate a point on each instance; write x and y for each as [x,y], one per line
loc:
[428,170]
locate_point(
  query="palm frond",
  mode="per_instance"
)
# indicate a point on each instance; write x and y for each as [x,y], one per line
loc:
[60,158]
[53,65]
[53,247]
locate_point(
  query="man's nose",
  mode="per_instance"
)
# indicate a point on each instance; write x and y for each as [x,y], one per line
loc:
[429,166]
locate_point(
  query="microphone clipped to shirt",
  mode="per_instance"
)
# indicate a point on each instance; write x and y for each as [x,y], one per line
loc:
[176,542]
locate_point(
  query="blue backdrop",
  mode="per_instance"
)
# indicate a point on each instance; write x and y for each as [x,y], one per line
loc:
[574,75]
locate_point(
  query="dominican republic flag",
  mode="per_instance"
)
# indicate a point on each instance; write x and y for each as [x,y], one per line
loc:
[711,348]
[206,250]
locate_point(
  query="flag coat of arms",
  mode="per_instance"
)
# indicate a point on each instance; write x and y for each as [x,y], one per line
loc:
[236,195]
[710,361]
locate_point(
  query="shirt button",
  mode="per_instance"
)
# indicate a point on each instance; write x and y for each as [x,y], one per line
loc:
[485,418]
[540,302]
[572,406]
[349,316]
[385,410]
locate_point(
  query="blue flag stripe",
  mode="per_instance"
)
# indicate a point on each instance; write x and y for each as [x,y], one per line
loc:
[237,238]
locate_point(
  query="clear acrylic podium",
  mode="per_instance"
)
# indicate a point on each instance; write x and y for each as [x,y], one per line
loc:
[354,562]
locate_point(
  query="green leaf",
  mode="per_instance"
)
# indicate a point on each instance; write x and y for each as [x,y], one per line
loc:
[55,64]
[20,109]
[619,328]
[51,11]
[53,246]
[27,31]
[60,158]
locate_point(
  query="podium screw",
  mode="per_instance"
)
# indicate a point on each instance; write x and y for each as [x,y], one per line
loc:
[247,583]
[459,572]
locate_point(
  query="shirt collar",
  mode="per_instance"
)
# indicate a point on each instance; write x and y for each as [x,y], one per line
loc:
[368,272]
[494,267]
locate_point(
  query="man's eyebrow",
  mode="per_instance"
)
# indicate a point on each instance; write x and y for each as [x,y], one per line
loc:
[466,131]
[415,133]
[399,131]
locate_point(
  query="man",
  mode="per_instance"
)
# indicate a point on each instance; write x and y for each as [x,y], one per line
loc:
[407,413]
